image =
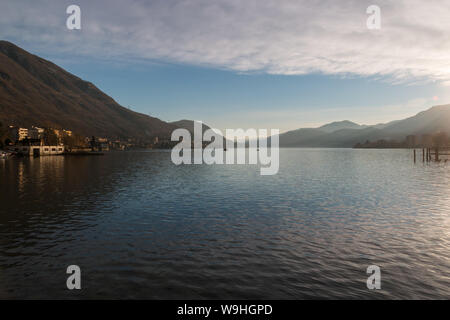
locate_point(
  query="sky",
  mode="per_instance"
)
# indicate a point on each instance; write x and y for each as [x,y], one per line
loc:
[248,64]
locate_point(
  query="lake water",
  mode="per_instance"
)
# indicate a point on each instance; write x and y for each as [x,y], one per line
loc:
[140,227]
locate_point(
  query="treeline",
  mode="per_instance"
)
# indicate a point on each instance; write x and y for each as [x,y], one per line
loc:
[440,139]
[381,144]
[50,138]
[4,136]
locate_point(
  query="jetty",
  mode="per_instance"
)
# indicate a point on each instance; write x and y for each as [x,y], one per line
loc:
[436,154]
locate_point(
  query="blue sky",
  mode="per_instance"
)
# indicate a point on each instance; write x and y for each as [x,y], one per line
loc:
[227,99]
[234,64]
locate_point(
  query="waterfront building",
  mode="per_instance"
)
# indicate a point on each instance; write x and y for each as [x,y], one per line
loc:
[36,151]
[18,134]
[36,133]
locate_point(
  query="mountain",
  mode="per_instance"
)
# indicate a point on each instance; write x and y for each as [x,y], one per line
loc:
[300,137]
[433,120]
[384,125]
[189,125]
[338,125]
[346,134]
[34,91]
[335,134]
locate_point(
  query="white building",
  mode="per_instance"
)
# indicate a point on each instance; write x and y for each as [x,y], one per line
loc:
[37,151]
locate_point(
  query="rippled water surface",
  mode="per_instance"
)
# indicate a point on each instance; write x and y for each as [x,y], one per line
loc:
[140,227]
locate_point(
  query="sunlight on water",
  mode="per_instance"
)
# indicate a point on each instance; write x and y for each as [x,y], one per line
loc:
[141,227]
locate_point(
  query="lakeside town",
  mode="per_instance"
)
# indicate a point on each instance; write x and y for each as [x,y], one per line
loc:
[38,141]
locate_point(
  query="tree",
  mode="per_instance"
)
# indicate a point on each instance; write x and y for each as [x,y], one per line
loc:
[3,135]
[50,137]
[74,140]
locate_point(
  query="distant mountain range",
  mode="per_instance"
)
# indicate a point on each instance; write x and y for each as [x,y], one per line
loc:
[346,134]
[338,125]
[36,92]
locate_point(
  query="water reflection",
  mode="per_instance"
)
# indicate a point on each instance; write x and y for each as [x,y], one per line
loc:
[140,227]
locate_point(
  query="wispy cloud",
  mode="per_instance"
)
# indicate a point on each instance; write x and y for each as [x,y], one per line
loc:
[273,36]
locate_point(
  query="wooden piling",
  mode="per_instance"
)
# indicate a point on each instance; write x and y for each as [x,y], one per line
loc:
[433,154]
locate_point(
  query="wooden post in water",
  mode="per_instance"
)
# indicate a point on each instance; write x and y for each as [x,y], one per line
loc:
[414,155]
[436,155]
[423,154]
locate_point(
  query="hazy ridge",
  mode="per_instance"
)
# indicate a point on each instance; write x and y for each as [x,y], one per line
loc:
[347,133]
